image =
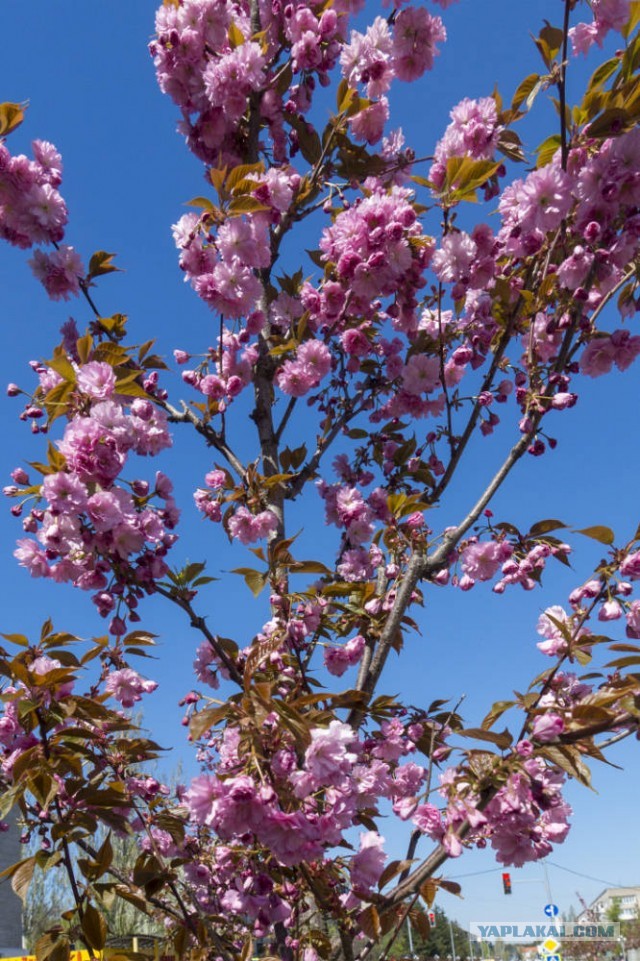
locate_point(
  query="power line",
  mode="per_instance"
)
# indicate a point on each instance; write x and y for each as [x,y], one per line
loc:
[589,877]
[553,864]
[475,874]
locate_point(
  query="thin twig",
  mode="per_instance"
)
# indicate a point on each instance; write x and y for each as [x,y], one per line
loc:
[199,624]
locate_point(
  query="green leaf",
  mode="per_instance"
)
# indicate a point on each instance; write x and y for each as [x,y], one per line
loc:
[310,567]
[451,886]
[53,947]
[391,871]
[604,535]
[246,205]
[497,710]
[549,42]
[569,760]
[464,175]
[84,346]
[18,639]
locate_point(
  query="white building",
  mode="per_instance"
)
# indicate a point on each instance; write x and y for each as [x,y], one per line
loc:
[626,899]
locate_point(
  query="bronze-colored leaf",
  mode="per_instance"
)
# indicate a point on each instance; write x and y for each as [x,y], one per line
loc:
[369,921]
[11,116]
[604,535]
[94,927]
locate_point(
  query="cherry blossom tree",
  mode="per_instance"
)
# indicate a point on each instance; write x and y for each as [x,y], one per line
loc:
[365,374]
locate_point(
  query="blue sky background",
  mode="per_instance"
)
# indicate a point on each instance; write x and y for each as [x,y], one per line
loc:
[88,76]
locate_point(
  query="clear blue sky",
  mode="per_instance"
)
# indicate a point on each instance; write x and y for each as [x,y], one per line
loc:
[86,71]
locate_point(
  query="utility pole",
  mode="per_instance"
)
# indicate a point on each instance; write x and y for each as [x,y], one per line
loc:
[410,936]
[547,883]
[453,944]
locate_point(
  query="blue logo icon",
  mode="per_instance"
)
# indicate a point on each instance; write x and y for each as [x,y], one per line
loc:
[551,910]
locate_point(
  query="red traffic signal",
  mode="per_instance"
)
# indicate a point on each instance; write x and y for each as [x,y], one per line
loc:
[506,883]
[432,918]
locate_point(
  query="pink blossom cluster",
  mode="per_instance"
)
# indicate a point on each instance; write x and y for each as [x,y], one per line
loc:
[32,211]
[243,524]
[481,560]
[599,356]
[522,822]
[373,59]
[59,272]
[611,596]
[376,249]
[473,132]
[311,365]
[607,15]
[222,272]
[208,62]
[339,776]
[230,880]
[127,686]
[339,659]
[90,530]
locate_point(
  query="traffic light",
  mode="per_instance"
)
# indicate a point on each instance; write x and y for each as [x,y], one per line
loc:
[506,883]
[432,918]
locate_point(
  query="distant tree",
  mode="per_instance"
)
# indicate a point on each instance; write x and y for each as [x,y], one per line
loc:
[613,913]
[48,897]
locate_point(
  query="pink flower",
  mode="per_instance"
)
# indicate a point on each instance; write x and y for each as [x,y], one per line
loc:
[481,561]
[127,686]
[97,379]
[336,661]
[630,567]
[367,865]
[550,625]
[201,797]
[416,33]
[248,528]
[91,451]
[633,620]
[29,555]
[328,754]
[428,819]
[582,37]
[60,271]
[421,374]
[547,727]
[65,493]
[598,357]
[368,124]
